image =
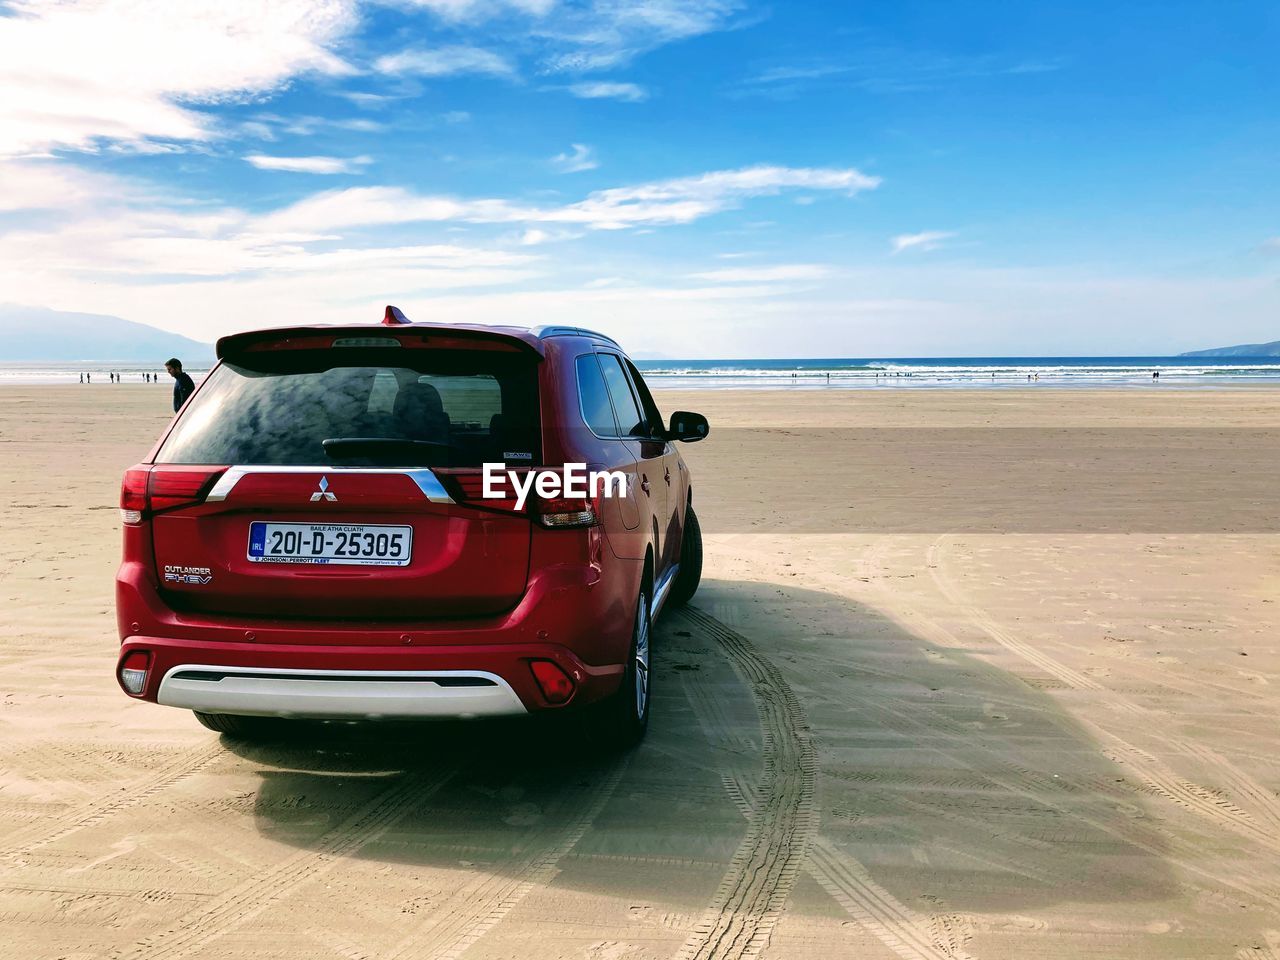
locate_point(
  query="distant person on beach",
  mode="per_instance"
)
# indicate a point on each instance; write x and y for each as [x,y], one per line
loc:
[183,387]
[1155,374]
[82,378]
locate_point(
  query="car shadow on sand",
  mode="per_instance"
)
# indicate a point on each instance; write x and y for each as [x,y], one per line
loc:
[937,778]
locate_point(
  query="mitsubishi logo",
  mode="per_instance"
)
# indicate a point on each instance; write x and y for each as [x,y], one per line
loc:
[323,493]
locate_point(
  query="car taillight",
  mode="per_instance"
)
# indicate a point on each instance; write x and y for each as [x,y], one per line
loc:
[179,486]
[133,494]
[133,672]
[563,512]
[555,684]
[468,488]
[555,512]
[149,489]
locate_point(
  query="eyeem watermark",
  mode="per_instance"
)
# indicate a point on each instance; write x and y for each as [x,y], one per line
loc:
[573,482]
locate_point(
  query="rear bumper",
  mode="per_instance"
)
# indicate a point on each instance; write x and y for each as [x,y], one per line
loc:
[375,682]
[570,615]
[337,694]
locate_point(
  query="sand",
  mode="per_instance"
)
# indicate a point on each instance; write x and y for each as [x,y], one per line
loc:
[986,674]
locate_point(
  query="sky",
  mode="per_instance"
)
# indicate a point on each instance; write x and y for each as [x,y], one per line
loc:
[697,178]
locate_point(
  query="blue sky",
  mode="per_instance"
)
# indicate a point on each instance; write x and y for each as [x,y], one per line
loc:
[714,178]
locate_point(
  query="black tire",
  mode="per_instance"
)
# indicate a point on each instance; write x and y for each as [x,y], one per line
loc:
[690,573]
[242,728]
[622,720]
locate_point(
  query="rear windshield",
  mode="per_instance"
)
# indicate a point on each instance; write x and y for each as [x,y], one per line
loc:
[455,408]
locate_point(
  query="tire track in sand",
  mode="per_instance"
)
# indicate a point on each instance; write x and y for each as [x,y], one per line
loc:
[485,902]
[909,934]
[1159,776]
[1017,779]
[246,900]
[781,826]
[85,814]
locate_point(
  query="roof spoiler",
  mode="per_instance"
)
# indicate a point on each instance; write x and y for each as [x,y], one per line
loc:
[322,337]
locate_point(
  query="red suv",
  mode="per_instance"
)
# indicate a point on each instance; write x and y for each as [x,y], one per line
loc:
[311,537]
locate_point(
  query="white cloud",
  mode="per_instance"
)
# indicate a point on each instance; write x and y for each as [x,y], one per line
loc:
[48,186]
[306,126]
[122,247]
[928,240]
[788,271]
[481,9]
[602,34]
[584,35]
[323,165]
[535,236]
[80,72]
[129,249]
[678,200]
[607,90]
[581,158]
[447,61]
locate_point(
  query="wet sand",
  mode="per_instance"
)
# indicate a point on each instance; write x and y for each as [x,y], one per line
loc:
[971,674]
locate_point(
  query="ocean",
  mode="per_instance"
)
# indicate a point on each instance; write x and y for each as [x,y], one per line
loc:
[897,372]
[831,373]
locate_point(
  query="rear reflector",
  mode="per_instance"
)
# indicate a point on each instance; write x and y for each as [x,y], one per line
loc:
[554,682]
[133,672]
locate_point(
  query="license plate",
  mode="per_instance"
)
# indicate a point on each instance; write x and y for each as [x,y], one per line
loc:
[359,544]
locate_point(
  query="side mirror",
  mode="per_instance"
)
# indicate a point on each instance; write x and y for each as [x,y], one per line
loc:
[687,426]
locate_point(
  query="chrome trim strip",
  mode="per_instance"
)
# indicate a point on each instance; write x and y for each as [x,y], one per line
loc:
[426,480]
[661,590]
[291,692]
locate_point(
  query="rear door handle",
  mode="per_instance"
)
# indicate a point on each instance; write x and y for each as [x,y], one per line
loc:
[644,484]
[668,477]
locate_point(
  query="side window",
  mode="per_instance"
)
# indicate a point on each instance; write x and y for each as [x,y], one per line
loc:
[630,420]
[656,425]
[594,397]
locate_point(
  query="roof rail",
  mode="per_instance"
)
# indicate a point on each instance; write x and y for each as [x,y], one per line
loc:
[559,331]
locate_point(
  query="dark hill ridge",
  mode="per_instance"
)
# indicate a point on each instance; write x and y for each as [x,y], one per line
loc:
[1271,349]
[40,334]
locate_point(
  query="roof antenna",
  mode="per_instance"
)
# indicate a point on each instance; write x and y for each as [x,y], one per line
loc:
[394,317]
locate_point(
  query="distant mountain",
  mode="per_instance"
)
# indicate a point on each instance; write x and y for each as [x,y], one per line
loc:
[41,334]
[1271,349]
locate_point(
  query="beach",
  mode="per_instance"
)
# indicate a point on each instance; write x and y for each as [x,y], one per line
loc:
[981,673]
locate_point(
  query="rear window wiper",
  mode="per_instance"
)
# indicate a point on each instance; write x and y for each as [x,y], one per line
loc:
[353,448]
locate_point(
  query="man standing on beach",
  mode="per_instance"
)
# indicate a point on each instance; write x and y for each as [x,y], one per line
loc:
[183,387]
